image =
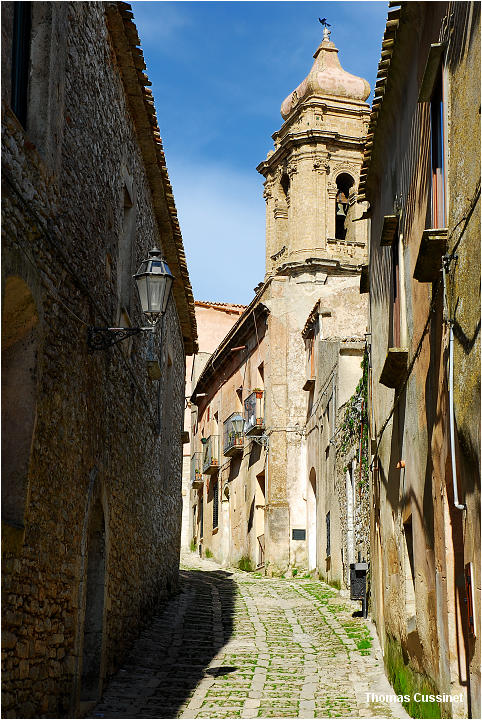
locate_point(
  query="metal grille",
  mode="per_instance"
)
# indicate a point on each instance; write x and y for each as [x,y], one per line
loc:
[328,540]
[215,503]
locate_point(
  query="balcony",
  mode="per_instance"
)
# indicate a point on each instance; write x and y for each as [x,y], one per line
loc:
[233,435]
[430,254]
[196,471]
[395,368]
[254,413]
[211,454]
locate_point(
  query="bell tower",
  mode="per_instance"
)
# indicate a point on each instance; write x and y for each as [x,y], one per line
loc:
[311,176]
[314,253]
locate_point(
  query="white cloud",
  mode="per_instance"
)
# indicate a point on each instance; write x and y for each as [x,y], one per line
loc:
[160,21]
[222,217]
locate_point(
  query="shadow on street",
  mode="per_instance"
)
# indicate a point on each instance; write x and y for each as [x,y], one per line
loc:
[174,652]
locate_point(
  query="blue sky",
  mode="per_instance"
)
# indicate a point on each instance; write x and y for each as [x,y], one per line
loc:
[219,73]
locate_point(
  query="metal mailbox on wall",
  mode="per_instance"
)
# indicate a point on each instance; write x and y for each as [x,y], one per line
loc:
[358,583]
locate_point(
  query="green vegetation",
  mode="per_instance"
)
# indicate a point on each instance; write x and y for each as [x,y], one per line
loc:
[294,572]
[354,425]
[193,546]
[245,564]
[335,584]
[406,681]
[208,553]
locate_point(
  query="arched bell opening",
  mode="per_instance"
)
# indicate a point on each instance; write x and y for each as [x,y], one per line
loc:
[344,183]
[285,186]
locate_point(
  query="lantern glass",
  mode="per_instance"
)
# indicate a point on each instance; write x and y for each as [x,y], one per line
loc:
[238,423]
[154,282]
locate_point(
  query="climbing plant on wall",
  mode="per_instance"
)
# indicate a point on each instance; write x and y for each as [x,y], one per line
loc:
[354,425]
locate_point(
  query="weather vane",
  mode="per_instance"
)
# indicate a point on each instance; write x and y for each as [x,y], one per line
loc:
[326,25]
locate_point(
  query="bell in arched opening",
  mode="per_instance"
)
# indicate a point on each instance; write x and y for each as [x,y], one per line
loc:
[343,182]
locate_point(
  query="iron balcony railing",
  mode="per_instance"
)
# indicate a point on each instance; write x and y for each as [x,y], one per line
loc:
[211,455]
[254,413]
[233,436]
[196,470]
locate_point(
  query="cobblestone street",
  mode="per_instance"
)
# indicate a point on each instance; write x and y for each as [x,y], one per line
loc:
[235,644]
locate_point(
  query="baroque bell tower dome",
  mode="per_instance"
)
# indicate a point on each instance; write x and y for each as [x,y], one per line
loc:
[312,175]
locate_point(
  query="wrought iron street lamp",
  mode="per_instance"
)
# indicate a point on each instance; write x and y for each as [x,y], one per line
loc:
[238,424]
[154,283]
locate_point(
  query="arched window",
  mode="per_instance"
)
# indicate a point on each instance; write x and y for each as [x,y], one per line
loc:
[344,183]
[285,186]
[19,395]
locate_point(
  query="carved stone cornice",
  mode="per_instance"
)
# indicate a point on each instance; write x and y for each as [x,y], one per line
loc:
[313,136]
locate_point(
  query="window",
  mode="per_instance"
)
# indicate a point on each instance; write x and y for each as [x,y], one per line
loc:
[396,295]
[328,539]
[261,375]
[343,183]
[311,357]
[22,22]
[285,186]
[215,503]
[125,259]
[437,154]
[19,395]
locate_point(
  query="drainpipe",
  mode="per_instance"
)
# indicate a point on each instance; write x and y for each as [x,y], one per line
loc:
[459,506]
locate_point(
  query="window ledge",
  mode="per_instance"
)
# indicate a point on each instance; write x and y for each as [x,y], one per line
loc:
[430,253]
[395,367]
[389,230]
[215,530]
[309,384]
[431,69]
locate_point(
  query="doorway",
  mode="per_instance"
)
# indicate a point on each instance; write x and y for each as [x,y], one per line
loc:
[260,503]
[311,519]
[91,684]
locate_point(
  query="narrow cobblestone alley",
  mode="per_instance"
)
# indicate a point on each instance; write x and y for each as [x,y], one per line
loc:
[235,644]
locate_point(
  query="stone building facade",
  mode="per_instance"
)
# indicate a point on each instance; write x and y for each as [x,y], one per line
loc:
[91,446]
[313,250]
[213,321]
[228,463]
[336,494]
[421,175]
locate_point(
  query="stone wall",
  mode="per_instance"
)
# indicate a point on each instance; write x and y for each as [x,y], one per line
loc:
[422,543]
[92,542]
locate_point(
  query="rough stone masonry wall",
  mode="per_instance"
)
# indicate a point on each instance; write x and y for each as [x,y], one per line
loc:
[94,438]
[362,500]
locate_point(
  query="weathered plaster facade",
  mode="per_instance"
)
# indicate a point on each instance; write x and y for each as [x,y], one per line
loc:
[229,519]
[337,517]
[421,176]
[91,447]
[213,321]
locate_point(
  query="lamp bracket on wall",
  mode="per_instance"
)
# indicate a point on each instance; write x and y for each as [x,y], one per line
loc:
[102,338]
[261,440]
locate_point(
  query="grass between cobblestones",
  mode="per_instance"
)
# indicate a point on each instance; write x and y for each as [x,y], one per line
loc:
[248,646]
